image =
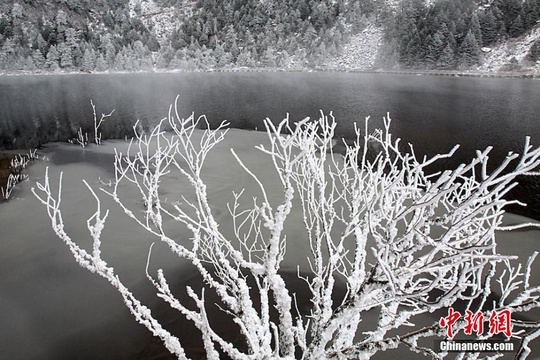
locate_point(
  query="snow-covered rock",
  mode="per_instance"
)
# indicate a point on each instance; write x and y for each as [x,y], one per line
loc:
[361,51]
[510,51]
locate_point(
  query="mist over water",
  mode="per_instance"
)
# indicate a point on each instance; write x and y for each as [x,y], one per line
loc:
[433,113]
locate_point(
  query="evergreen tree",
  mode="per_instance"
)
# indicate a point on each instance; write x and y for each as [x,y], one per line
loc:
[73,46]
[66,59]
[517,27]
[474,27]
[16,21]
[244,59]
[29,64]
[39,59]
[160,61]
[414,51]
[469,52]
[6,28]
[527,15]
[388,55]
[434,49]
[89,60]
[534,52]
[52,59]
[61,21]
[488,26]
[269,57]
[509,11]
[167,54]
[283,59]
[40,44]
[108,50]
[7,54]
[101,63]
[447,59]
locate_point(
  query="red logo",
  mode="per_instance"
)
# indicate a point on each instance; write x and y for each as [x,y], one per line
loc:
[499,322]
[448,321]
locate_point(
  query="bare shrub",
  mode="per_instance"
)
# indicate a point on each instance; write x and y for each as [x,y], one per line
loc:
[403,242]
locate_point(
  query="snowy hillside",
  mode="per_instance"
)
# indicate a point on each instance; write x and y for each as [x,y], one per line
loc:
[361,51]
[500,56]
[162,20]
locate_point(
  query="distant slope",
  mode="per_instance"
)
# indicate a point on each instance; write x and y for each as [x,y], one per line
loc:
[512,54]
[193,35]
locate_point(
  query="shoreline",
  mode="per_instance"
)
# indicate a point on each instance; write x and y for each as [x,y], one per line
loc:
[518,74]
[530,212]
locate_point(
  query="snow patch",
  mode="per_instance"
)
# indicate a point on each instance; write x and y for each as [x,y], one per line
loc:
[160,20]
[504,53]
[361,51]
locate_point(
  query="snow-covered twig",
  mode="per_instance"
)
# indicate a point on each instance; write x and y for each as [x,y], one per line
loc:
[81,139]
[17,164]
[97,123]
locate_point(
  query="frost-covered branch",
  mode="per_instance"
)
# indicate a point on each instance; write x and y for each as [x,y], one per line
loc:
[403,242]
[97,123]
[81,139]
[16,165]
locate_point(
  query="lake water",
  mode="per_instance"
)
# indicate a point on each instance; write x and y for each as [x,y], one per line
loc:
[52,309]
[432,113]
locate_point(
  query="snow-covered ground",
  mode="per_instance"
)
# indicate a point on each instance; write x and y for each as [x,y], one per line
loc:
[361,51]
[162,20]
[502,54]
[52,309]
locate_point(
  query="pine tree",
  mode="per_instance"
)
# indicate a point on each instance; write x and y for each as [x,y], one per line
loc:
[534,52]
[269,57]
[528,15]
[73,46]
[52,59]
[244,59]
[61,21]
[414,51]
[39,59]
[160,61]
[89,60]
[447,59]
[66,59]
[474,27]
[40,44]
[488,26]
[469,52]
[517,27]
[7,54]
[101,64]
[388,55]
[29,64]
[108,50]
[284,59]
[434,48]
[16,21]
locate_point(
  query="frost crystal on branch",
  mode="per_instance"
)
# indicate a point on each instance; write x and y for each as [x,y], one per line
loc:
[402,241]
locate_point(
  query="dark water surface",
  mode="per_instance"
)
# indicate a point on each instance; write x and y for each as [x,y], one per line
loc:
[43,293]
[432,113]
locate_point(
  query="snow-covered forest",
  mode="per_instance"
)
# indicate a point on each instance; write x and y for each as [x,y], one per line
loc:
[144,35]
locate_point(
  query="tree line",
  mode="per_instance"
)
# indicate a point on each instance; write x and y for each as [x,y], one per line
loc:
[451,34]
[248,33]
